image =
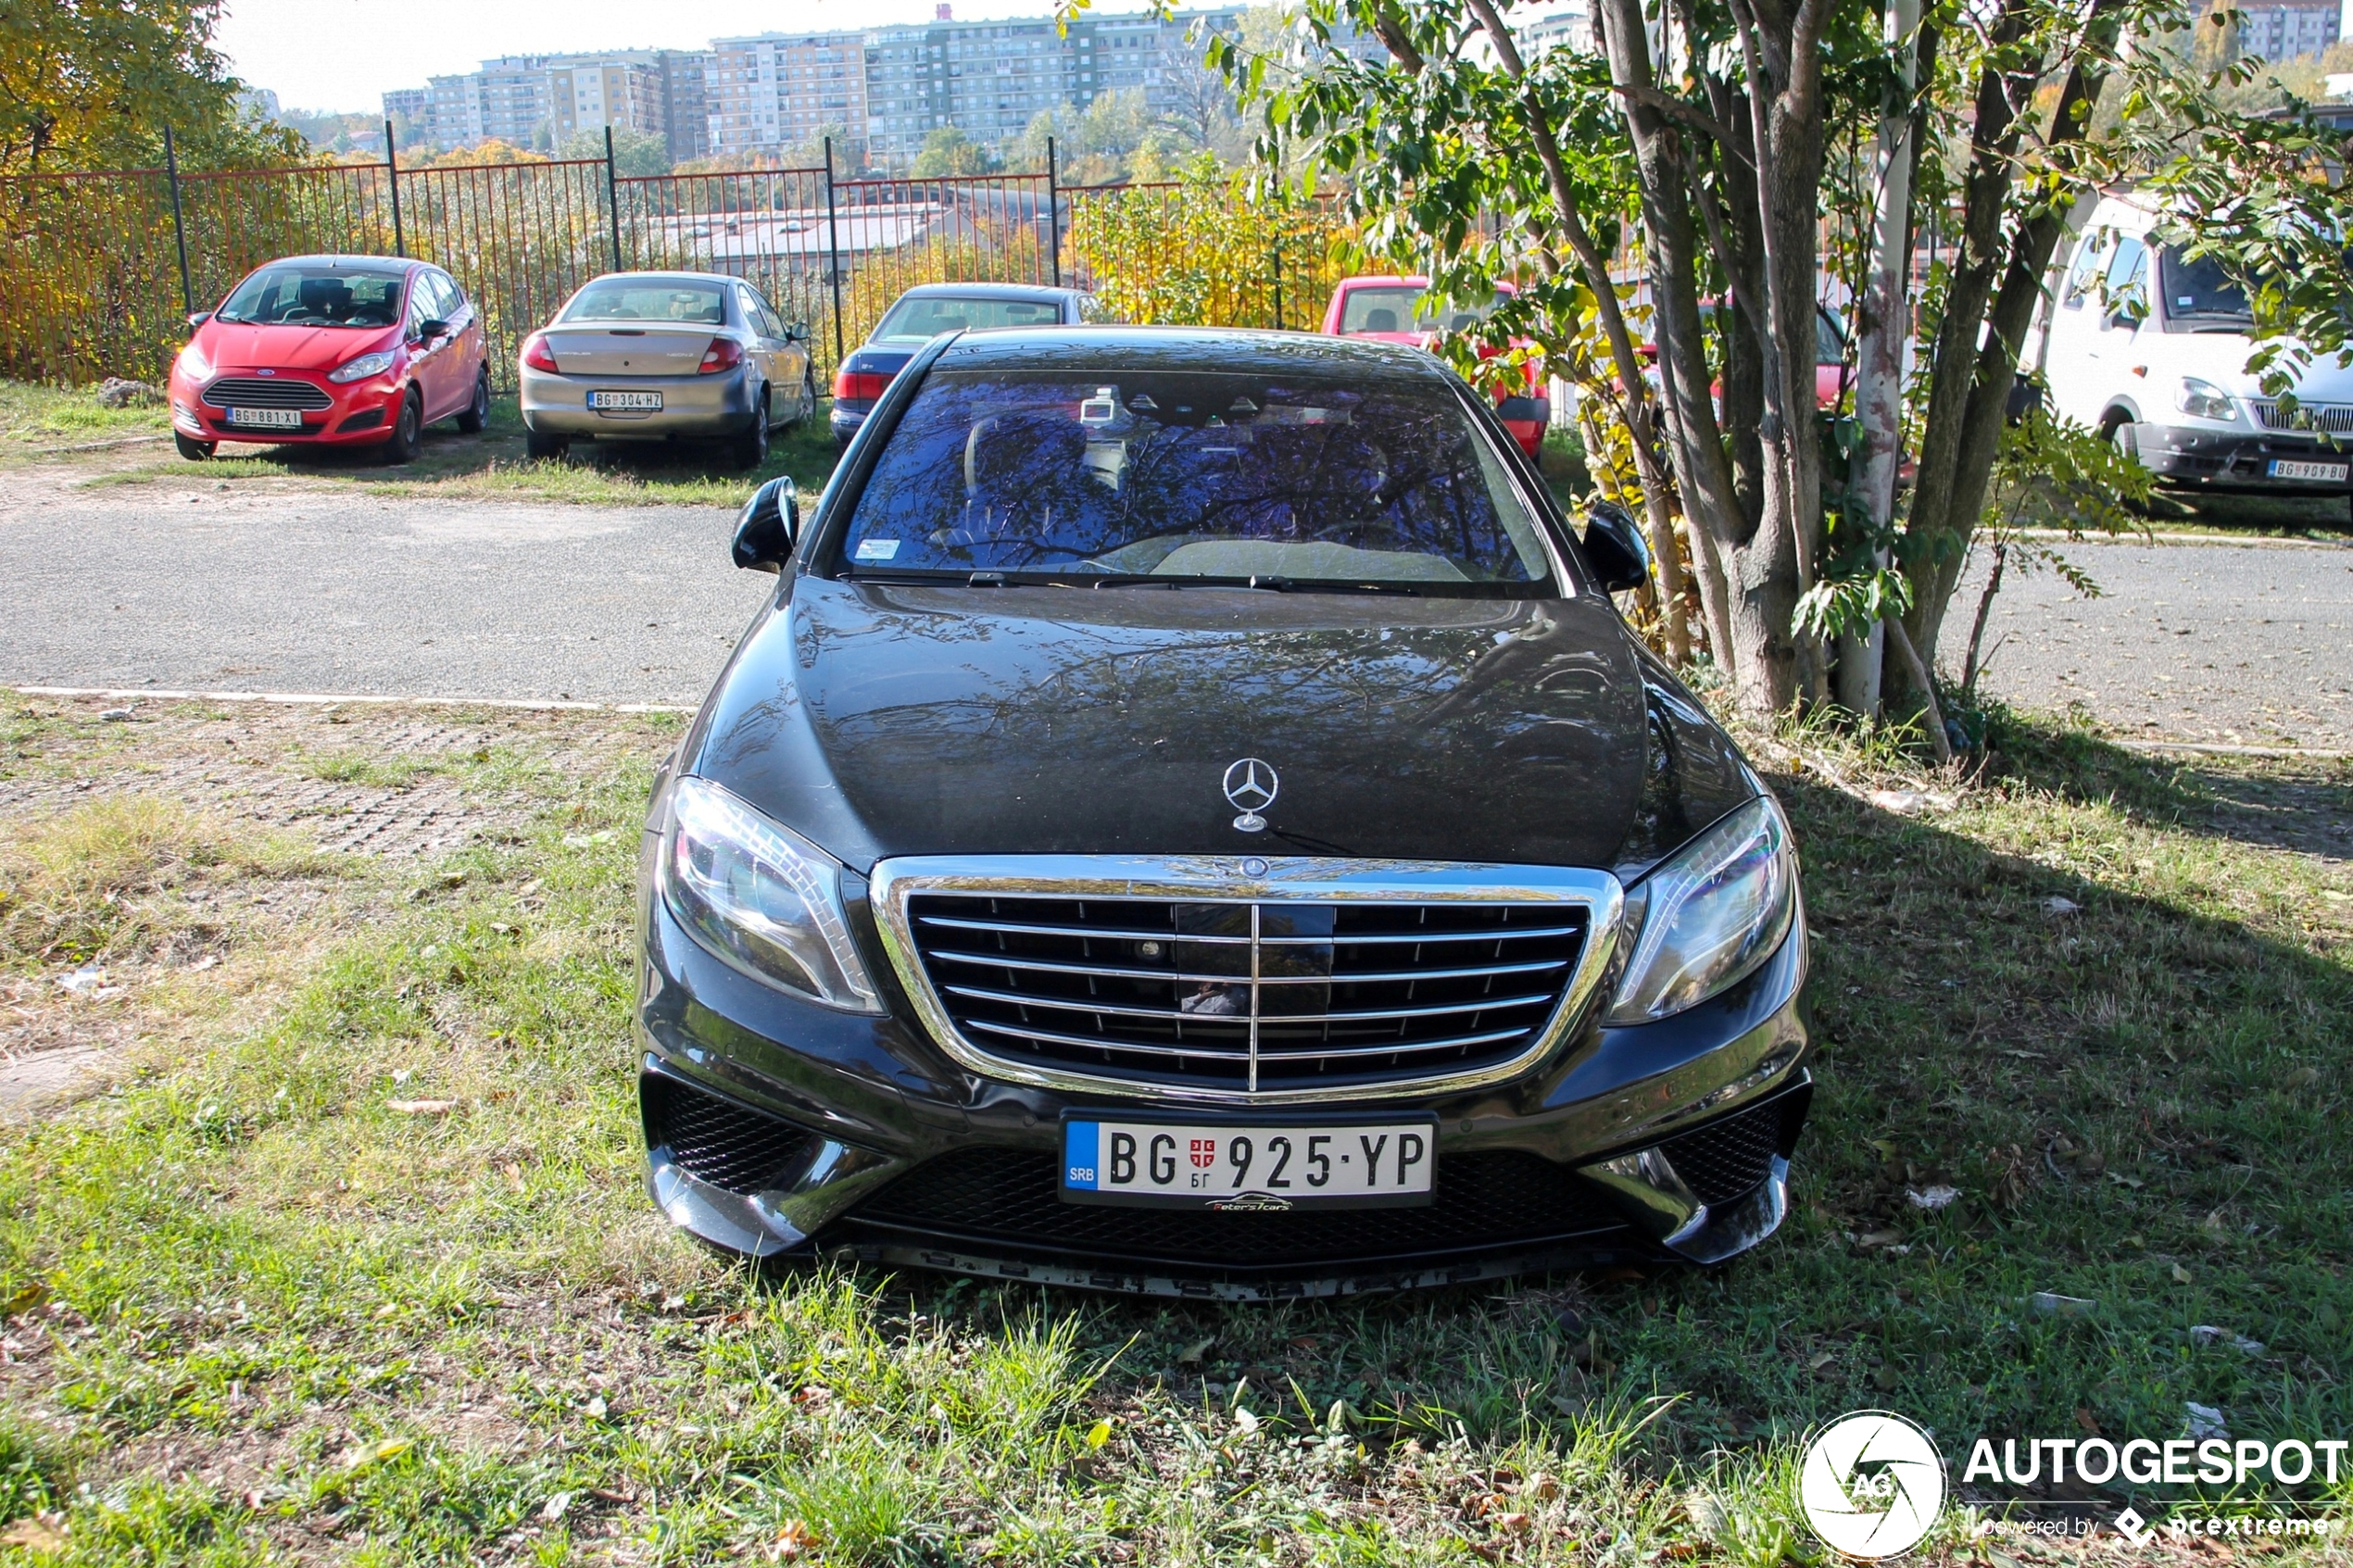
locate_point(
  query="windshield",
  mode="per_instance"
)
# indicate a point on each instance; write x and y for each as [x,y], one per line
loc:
[1396,307]
[648,299]
[920,316]
[2200,288]
[1168,476]
[317,294]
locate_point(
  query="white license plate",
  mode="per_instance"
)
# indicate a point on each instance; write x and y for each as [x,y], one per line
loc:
[267,419]
[1242,1168]
[628,402]
[2283,468]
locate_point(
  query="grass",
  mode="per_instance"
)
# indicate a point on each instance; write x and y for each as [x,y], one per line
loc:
[264,1306]
[35,423]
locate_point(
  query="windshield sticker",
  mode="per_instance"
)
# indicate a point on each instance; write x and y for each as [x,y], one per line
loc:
[877,549]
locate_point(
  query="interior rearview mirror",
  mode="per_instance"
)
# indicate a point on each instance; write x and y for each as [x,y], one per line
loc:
[1615,548]
[768,527]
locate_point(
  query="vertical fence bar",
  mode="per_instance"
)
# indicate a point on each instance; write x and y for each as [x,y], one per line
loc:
[1053,212]
[832,248]
[392,182]
[178,227]
[613,199]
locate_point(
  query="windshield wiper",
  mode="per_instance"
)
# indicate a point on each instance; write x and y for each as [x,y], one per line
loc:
[1326,585]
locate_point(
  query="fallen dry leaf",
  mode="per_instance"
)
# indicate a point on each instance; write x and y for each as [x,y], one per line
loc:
[793,1541]
[35,1535]
[422,1106]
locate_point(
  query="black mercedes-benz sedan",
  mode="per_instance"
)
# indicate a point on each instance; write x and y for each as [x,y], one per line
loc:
[1190,819]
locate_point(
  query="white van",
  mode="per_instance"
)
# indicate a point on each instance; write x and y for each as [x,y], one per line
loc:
[2151,349]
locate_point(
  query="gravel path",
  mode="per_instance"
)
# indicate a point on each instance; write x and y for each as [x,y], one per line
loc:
[192,586]
[2220,642]
[202,586]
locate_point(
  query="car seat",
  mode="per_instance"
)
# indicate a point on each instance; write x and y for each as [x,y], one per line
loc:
[1380,318]
[329,298]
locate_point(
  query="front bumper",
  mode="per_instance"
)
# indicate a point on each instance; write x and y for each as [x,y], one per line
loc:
[693,408]
[361,414]
[2212,459]
[778,1129]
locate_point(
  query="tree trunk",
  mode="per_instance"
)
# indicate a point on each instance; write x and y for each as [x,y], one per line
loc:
[1971,386]
[1886,326]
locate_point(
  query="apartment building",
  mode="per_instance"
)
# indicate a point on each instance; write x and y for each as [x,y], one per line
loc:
[537,100]
[888,88]
[777,90]
[2286,30]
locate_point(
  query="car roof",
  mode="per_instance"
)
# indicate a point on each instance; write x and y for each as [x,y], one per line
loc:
[1041,292]
[334,258]
[665,275]
[1088,350]
[1402,280]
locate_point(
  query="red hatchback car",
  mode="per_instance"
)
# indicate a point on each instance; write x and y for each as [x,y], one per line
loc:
[1392,309]
[331,351]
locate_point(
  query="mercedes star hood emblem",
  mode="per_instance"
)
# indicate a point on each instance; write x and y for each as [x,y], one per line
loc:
[1251,785]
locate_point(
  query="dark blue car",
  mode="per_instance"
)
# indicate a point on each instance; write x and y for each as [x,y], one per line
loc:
[928,309]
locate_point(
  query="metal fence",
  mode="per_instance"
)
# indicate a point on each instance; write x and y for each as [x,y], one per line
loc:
[98,271]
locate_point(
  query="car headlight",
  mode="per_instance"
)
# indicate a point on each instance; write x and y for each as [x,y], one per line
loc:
[2204,399]
[764,900]
[362,368]
[1708,914]
[193,365]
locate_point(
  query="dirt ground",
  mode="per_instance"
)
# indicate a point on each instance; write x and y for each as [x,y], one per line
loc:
[399,785]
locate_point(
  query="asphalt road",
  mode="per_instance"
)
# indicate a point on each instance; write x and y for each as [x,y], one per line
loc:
[2231,643]
[193,587]
[184,586]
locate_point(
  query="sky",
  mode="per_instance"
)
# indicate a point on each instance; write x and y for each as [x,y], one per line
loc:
[344,54]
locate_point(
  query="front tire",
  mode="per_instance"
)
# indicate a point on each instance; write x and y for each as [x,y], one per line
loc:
[749,450]
[476,417]
[191,448]
[408,434]
[542,448]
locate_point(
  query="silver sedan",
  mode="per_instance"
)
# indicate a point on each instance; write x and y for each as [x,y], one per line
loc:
[665,356]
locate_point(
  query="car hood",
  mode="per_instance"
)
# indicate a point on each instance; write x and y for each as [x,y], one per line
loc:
[2221,357]
[883,721]
[232,345]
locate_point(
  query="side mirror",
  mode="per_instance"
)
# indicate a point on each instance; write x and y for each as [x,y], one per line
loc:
[198,317]
[768,529]
[796,332]
[431,328]
[1615,548]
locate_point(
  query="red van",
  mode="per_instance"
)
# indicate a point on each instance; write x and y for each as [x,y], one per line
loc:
[1392,309]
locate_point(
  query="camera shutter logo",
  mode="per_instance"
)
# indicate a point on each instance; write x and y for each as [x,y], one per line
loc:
[1872,1484]
[1251,785]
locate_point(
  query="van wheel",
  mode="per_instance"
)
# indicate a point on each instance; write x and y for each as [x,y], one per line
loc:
[194,450]
[2114,427]
[476,416]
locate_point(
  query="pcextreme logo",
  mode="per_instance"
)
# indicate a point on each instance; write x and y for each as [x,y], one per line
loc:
[1872,1484]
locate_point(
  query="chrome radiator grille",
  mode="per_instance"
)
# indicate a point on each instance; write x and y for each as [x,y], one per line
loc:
[265,392]
[1298,987]
[2334,418]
